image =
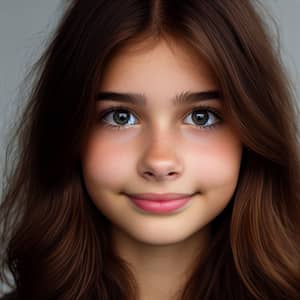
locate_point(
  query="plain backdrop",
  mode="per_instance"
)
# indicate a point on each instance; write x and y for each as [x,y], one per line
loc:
[25,26]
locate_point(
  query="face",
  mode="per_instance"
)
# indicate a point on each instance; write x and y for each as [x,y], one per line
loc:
[160,147]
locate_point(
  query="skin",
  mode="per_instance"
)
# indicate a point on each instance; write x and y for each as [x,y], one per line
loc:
[163,138]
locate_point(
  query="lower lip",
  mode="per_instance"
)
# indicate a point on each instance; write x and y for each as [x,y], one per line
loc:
[160,206]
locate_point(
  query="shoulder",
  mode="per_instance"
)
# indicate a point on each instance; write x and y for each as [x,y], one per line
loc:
[10,296]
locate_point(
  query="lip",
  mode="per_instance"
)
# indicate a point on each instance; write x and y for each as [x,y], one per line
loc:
[160,203]
[159,197]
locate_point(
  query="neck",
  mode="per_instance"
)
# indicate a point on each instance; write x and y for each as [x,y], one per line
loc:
[161,271]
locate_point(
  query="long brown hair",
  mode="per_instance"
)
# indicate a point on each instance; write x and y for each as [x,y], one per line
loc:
[56,243]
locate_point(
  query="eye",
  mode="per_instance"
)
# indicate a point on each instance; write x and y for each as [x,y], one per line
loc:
[202,117]
[121,116]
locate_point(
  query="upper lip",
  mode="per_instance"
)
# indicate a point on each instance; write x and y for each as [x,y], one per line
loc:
[159,197]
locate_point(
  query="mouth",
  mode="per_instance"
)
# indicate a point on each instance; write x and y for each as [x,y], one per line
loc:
[160,197]
[160,203]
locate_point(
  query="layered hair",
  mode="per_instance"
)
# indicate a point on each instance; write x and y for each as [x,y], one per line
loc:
[56,243]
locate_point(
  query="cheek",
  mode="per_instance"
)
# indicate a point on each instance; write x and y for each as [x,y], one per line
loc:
[211,162]
[215,164]
[106,164]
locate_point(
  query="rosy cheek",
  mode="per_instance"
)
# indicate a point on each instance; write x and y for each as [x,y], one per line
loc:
[106,162]
[212,156]
[216,161]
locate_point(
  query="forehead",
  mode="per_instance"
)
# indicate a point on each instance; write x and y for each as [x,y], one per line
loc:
[162,61]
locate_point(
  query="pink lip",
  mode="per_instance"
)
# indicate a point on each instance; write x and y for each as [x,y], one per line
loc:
[161,202]
[159,197]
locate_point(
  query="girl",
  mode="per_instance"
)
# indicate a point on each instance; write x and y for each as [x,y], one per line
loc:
[158,158]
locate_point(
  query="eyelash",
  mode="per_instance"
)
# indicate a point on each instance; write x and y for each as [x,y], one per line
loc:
[101,115]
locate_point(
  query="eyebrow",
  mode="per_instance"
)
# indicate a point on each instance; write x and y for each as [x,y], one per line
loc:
[141,100]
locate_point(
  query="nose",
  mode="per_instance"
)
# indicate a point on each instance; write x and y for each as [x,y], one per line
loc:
[160,162]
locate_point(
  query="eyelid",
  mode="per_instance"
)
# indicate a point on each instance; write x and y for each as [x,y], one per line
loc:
[195,107]
[112,108]
[212,109]
[209,109]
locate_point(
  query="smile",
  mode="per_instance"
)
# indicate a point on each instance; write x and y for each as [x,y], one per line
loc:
[158,205]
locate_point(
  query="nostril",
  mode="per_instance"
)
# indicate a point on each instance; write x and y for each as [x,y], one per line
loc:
[171,173]
[148,173]
[161,175]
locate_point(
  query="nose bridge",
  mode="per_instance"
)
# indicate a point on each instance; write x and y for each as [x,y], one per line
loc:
[161,140]
[160,157]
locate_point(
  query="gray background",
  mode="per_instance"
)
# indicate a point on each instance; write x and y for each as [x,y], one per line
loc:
[25,26]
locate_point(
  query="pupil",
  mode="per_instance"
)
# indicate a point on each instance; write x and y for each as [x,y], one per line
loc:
[121,117]
[200,117]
